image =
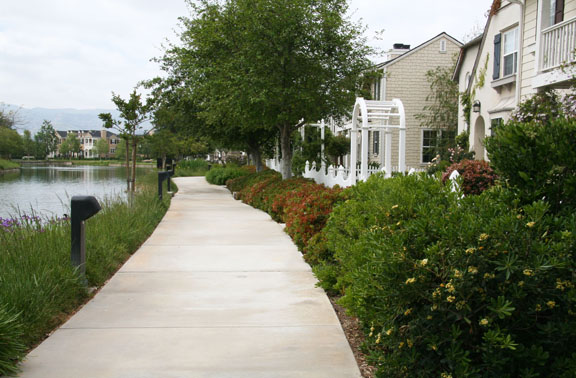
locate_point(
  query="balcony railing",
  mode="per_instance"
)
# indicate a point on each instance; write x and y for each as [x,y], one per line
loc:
[558,43]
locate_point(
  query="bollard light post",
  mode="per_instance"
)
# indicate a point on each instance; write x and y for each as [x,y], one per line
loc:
[161,177]
[82,208]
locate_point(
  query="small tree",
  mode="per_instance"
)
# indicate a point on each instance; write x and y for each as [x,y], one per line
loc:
[133,113]
[28,143]
[46,140]
[102,147]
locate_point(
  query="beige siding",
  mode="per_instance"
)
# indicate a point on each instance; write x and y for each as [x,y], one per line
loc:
[569,10]
[407,81]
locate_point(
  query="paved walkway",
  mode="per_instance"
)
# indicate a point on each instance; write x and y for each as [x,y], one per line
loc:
[218,290]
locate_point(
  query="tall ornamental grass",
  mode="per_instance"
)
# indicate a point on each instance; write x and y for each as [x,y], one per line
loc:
[38,286]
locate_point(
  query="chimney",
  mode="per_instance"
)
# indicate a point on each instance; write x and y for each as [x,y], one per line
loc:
[103,134]
[397,50]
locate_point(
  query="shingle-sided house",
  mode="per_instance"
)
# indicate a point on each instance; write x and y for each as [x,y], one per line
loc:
[522,50]
[88,140]
[404,78]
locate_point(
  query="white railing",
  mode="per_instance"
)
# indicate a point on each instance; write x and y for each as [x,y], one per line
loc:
[558,43]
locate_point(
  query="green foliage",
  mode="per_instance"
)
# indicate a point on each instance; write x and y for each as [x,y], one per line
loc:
[46,140]
[219,175]
[11,144]
[7,164]
[102,147]
[253,81]
[537,161]
[11,347]
[441,110]
[473,287]
[240,183]
[476,175]
[70,145]
[336,147]
[38,285]
[195,167]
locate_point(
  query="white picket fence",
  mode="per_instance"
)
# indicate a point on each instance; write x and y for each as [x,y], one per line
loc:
[332,176]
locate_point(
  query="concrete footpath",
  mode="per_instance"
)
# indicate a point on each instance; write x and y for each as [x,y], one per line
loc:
[218,290]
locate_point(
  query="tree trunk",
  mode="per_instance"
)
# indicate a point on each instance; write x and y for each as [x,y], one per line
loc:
[256,158]
[286,148]
[128,180]
[134,148]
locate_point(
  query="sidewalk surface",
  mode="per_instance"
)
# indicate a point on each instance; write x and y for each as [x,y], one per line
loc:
[218,290]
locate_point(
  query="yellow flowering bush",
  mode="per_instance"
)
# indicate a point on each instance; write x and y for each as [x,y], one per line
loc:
[467,287]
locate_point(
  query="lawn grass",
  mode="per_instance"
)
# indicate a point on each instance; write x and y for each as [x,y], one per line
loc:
[38,286]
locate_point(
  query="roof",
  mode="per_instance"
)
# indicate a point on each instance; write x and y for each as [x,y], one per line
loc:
[466,46]
[417,48]
[93,133]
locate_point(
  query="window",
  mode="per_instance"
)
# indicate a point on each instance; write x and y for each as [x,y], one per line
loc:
[112,150]
[376,94]
[443,46]
[433,141]
[375,142]
[553,12]
[429,144]
[494,124]
[510,51]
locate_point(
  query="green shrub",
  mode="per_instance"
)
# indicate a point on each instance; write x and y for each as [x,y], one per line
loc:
[537,161]
[219,175]
[195,167]
[7,164]
[476,175]
[239,183]
[471,287]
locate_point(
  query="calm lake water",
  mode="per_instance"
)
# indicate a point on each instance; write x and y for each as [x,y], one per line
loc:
[46,190]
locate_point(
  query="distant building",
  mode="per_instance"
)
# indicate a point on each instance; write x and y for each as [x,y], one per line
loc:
[88,140]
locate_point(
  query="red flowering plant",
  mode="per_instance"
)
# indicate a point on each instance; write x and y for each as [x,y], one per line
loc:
[477,175]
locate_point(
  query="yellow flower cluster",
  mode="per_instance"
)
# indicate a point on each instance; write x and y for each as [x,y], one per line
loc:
[563,285]
[472,269]
[488,276]
[450,287]
[436,293]
[470,251]
[484,322]
[483,237]
[528,272]
[551,304]
[424,262]
[530,224]
[446,375]
[451,298]
[408,312]
[457,273]
[410,280]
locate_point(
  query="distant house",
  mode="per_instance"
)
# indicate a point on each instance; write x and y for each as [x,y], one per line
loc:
[404,78]
[522,50]
[88,140]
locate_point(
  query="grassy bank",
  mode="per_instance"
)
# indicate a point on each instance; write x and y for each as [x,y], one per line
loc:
[7,164]
[197,167]
[38,286]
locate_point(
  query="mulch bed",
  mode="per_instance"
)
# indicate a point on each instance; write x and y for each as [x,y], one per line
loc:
[355,336]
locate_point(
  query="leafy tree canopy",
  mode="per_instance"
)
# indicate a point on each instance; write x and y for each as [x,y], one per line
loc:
[261,66]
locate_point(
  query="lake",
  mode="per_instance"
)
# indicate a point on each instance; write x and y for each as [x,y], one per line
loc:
[46,190]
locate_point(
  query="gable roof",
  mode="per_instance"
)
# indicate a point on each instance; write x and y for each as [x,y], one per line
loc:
[466,46]
[418,48]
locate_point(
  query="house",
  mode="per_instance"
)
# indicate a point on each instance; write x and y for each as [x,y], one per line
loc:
[522,50]
[403,76]
[88,140]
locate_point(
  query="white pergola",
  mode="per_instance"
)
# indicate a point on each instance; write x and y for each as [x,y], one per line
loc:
[383,116]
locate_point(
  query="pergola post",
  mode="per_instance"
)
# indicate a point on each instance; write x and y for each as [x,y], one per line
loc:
[388,151]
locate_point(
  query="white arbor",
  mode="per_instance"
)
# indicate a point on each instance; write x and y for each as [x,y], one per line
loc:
[383,116]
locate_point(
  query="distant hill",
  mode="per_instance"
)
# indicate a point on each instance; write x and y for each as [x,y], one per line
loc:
[61,119]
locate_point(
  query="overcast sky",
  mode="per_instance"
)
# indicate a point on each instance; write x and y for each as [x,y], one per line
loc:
[74,53]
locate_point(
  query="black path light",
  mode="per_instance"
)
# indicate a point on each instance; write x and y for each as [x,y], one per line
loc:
[82,207]
[161,177]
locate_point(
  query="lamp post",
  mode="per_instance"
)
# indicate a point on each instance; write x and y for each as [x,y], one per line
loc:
[82,208]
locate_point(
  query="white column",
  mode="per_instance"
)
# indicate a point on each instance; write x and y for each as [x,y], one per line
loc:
[322,125]
[388,158]
[364,156]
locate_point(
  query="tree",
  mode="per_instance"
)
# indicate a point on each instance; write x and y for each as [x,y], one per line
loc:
[120,152]
[441,109]
[29,146]
[260,66]
[10,143]
[102,147]
[46,140]
[71,145]
[133,113]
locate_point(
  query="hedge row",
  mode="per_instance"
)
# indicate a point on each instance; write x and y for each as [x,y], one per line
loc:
[300,203]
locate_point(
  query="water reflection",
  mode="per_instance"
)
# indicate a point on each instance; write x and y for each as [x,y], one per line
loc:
[46,190]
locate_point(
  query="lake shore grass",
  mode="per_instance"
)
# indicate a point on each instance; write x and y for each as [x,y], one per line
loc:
[8,164]
[196,167]
[39,288]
